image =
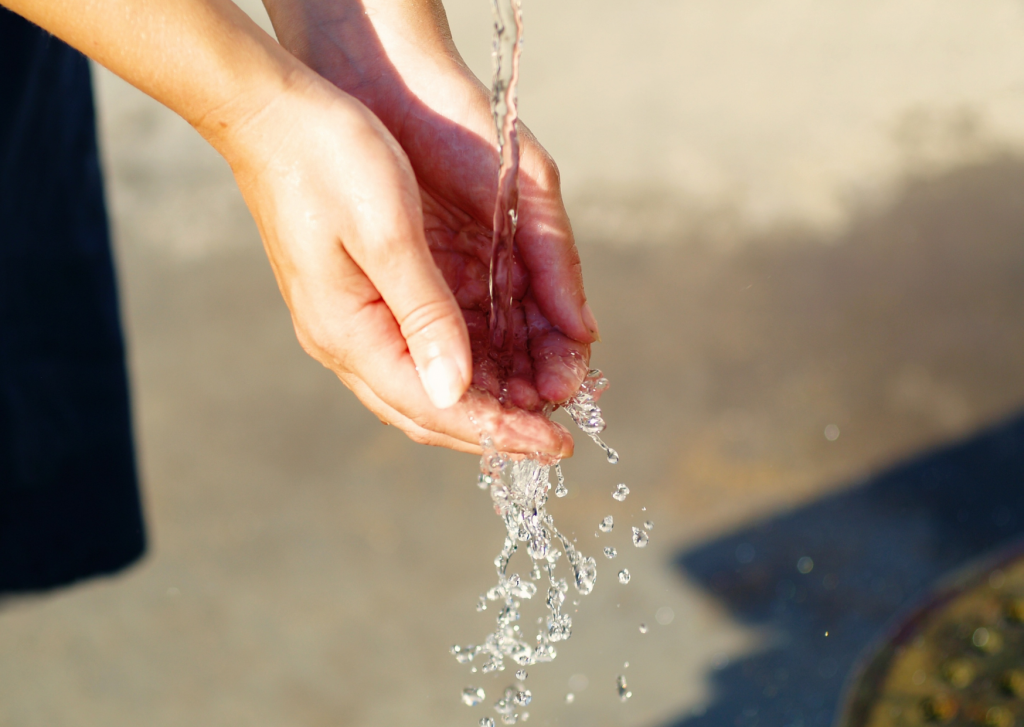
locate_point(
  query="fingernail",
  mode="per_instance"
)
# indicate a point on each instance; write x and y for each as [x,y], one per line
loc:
[589,321]
[443,382]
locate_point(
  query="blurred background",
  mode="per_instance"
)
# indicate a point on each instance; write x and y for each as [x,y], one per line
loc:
[802,228]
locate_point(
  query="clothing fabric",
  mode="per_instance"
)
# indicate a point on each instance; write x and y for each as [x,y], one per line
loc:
[69,500]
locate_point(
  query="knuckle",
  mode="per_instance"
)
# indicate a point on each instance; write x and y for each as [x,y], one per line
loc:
[426,320]
[321,344]
[549,177]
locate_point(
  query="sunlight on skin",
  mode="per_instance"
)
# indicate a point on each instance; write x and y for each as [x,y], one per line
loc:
[399,60]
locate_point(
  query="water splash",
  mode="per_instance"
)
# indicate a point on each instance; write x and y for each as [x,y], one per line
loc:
[560,490]
[519,488]
[587,415]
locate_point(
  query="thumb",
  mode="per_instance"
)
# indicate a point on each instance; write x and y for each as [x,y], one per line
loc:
[398,262]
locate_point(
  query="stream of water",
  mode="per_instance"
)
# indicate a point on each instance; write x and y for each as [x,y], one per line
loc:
[508,43]
[520,486]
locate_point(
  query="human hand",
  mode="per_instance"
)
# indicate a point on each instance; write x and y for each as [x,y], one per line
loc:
[339,211]
[398,59]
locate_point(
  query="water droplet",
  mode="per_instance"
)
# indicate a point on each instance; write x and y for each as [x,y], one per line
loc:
[486,722]
[665,615]
[639,538]
[624,576]
[606,525]
[613,456]
[643,628]
[560,488]
[623,688]
[610,552]
[481,604]
[625,665]
[509,718]
[570,698]
[805,565]
[519,489]
[620,492]
[649,525]
[472,696]
[524,716]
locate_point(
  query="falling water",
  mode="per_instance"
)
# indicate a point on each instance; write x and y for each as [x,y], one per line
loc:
[520,486]
[508,39]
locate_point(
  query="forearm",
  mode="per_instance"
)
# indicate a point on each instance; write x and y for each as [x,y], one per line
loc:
[204,59]
[355,42]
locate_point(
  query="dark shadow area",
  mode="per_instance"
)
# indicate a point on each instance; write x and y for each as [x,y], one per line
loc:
[876,548]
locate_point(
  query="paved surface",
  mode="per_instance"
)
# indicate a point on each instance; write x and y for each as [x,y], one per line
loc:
[311,567]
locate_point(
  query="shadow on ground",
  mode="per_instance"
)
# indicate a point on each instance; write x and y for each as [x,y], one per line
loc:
[875,548]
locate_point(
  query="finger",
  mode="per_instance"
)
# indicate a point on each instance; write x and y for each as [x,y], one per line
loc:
[390,415]
[388,371]
[560,363]
[548,249]
[421,435]
[388,244]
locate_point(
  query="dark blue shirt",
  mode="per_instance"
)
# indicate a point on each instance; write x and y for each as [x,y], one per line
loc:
[69,504]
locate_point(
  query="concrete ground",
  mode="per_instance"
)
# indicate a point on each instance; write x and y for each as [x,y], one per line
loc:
[801,227]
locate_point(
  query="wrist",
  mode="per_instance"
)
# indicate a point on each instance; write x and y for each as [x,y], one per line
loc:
[361,45]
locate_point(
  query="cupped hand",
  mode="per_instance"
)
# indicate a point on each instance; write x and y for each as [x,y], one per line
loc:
[339,210]
[398,59]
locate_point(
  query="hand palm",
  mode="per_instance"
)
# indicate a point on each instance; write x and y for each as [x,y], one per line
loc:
[456,167]
[439,114]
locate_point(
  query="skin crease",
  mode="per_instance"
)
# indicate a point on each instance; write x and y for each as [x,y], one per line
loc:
[373,205]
